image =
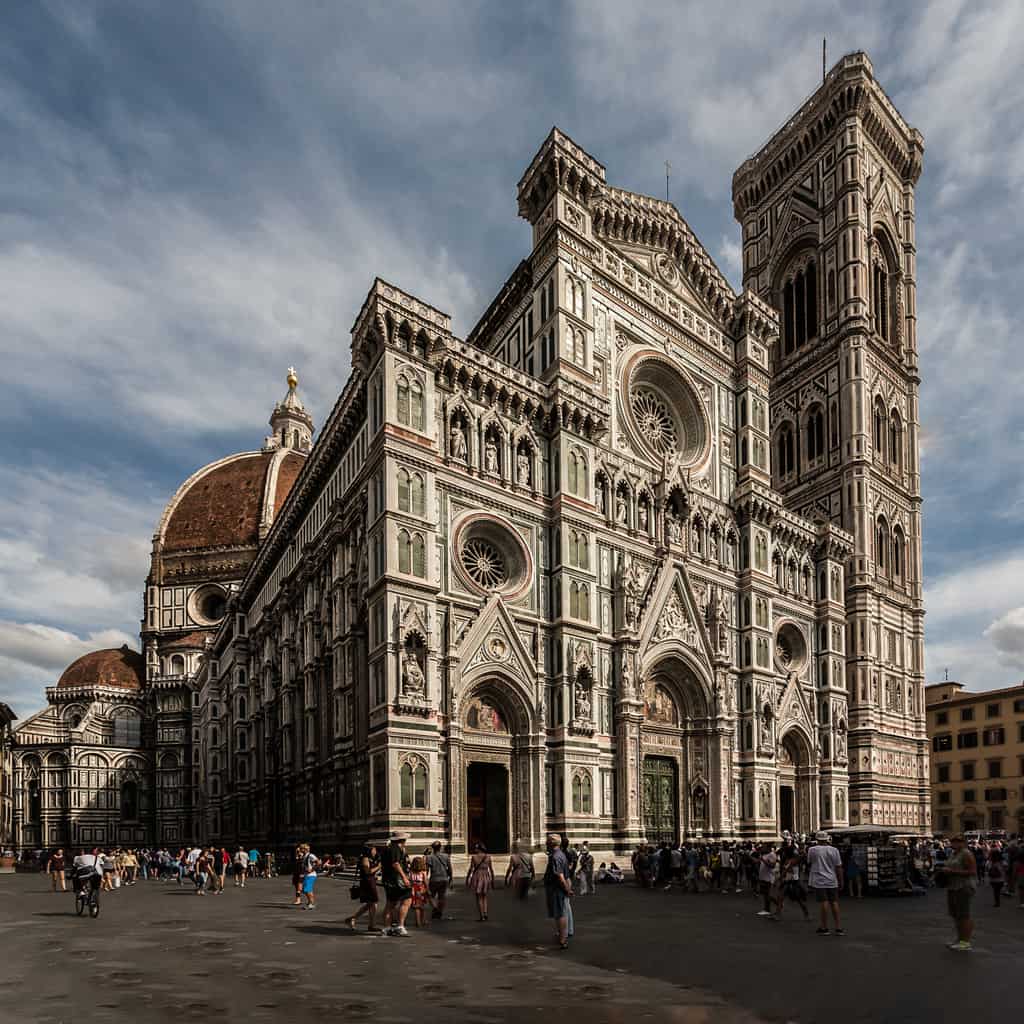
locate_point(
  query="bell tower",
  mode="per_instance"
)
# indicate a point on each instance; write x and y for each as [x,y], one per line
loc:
[827,214]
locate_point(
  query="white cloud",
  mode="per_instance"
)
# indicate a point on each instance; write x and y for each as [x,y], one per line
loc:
[731,255]
[1007,634]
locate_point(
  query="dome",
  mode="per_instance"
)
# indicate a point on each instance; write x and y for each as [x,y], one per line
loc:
[117,666]
[230,503]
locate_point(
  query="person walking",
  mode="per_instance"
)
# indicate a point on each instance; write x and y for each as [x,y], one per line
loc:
[367,868]
[310,863]
[419,878]
[439,867]
[558,889]
[297,876]
[960,873]
[791,887]
[519,873]
[996,873]
[56,870]
[201,872]
[240,867]
[254,861]
[221,859]
[825,878]
[586,871]
[766,879]
[394,871]
[480,878]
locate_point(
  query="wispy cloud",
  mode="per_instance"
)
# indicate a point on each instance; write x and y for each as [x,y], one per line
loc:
[175,233]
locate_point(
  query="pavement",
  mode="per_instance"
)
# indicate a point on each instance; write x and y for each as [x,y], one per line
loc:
[159,953]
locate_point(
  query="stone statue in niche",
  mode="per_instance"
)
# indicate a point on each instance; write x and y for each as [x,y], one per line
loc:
[765,808]
[730,554]
[523,469]
[491,456]
[627,677]
[699,804]
[600,497]
[620,508]
[414,683]
[713,546]
[643,516]
[632,586]
[582,701]
[722,617]
[458,442]
[673,529]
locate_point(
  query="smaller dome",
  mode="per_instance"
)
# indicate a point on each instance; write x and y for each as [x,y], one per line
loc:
[116,666]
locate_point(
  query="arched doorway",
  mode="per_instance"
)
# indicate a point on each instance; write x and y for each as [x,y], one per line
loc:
[796,790]
[493,774]
[676,741]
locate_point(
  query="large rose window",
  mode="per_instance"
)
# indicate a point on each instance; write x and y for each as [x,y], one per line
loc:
[654,420]
[483,563]
[490,555]
[663,411]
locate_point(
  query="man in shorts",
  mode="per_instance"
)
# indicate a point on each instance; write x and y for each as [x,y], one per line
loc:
[825,879]
[394,873]
[558,888]
[439,865]
[961,873]
[240,865]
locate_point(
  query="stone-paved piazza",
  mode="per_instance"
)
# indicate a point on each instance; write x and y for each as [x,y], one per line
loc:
[157,953]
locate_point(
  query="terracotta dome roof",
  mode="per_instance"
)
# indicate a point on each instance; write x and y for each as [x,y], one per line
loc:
[225,503]
[117,666]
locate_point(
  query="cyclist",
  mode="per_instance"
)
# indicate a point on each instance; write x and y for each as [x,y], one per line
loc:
[88,871]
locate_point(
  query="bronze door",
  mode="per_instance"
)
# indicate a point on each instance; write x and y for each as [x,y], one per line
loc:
[661,800]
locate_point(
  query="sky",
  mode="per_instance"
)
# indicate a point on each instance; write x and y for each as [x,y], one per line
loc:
[194,196]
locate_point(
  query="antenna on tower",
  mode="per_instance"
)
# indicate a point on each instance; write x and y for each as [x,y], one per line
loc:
[668,171]
[824,50]
[947,674]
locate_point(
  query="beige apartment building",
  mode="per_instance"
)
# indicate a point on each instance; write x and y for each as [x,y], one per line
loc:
[977,770]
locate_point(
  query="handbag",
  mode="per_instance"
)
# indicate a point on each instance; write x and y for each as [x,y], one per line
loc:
[354,892]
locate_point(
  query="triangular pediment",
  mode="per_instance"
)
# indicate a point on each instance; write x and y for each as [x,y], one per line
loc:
[793,708]
[797,218]
[672,615]
[662,269]
[493,641]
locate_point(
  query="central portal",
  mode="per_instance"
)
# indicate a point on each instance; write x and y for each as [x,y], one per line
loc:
[487,806]
[787,817]
[661,800]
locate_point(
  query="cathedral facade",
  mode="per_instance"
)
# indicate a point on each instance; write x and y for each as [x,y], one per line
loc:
[637,558]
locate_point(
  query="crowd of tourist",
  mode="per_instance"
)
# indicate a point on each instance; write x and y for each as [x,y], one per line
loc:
[780,874]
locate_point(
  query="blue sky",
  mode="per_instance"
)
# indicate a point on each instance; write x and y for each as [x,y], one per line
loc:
[194,196]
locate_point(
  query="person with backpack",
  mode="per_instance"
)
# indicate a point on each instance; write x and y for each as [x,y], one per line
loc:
[439,866]
[519,873]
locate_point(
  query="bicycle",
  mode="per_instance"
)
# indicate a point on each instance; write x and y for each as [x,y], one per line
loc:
[87,894]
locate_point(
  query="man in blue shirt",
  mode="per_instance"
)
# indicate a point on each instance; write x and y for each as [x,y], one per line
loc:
[558,887]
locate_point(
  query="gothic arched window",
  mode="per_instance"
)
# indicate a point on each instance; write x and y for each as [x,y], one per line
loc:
[582,793]
[799,307]
[787,455]
[882,546]
[898,553]
[895,440]
[880,432]
[413,785]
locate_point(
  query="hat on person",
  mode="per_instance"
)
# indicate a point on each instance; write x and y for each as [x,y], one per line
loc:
[821,837]
[399,837]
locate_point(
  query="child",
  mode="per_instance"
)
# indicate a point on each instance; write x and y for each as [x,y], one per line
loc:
[420,897]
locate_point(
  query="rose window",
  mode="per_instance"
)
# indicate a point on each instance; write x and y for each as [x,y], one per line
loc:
[663,411]
[654,421]
[483,563]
